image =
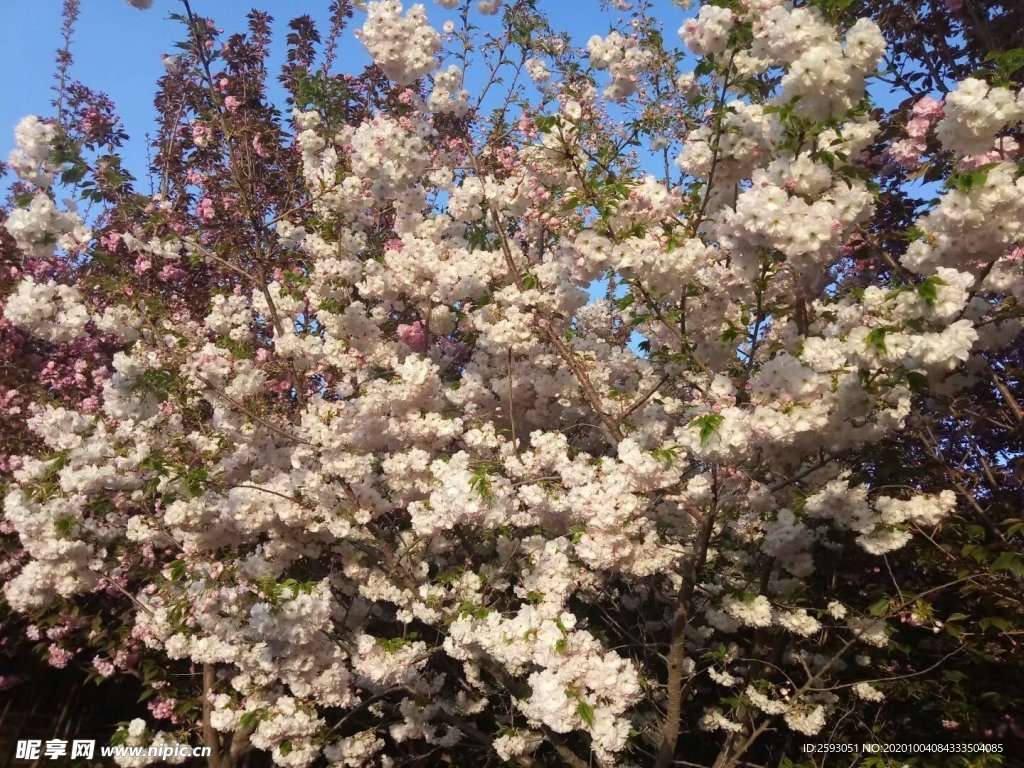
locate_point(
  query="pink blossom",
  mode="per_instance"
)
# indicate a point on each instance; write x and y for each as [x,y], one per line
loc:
[928,107]
[163,709]
[110,240]
[918,127]
[200,133]
[205,210]
[970,162]
[126,659]
[103,666]
[59,657]
[170,273]
[906,153]
[415,335]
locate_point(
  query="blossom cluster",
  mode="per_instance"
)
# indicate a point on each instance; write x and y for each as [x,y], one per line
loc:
[403,46]
[389,473]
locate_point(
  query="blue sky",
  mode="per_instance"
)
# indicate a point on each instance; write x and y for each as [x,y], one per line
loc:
[117,49]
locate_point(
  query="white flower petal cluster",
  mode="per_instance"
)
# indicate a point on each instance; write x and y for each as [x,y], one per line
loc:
[32,156]
[799,622]
[765,703]
[808,720]
[390,156]
[287,721]
[448,95]
[50,310]
[354,751]
[971,226]
[509,746]
[40,226]
[881,524]
[870,631]
[749,135]
[623,57]
[709,32]
[404,47]
[380,666]
[754,613]
[974,112]
[230,316]
[775,213]
[868,692]
[538,70]
[575,685]
[715,720]
[827,76]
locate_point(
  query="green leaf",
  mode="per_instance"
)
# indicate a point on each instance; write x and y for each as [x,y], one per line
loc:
[666,455]
[974,552]
[624,302]
[876,340]
[586,713]
[879,607]
[730,334]
[918,382]
[1006,64]
[450,575]
[1010,561]
[545,123]
[1000,623]
[715,654]
[466,608]
[708,424]
[177,570]
[193,481]
[392,644]
[74,174]
[480,484]
[156,381]
[577,533]
[928,289]
[1015,530]
[249,719]
[968,181]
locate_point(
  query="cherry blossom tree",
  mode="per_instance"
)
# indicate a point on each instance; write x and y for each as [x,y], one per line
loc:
[521,401]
